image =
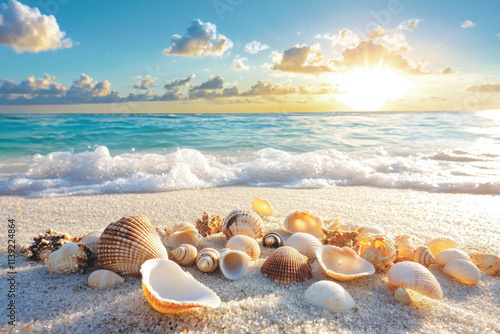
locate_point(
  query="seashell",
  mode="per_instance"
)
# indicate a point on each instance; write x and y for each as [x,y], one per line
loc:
[286,265]
[185,254]
[362,230]
[243,222]
[245,244]
[338,237]
[68,259]
[21,248]
[272,239]
[126,244]
[234,263]
[262,207]
[304,221]
[208,260]
[424,256]
[489,263]
[414,276]
[44,252]
[343,264]
[329,295]
[49,238]
[91,239]
[170,289]
[439,244]
[162,233]
[463,270]
[450,254]
[103,279]
[172,228]
[404,249]
[186,234]
[377,249]
[305,243]
[402,296]
[209,225]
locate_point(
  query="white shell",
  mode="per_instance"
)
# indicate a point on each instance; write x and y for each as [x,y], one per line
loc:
[424,256]
[305,243]
[245,244]
[91,239]
[450,254]
[439,244]
[262,207]
[329,295]
[414,276]
[103,279]
[489,263]
[70,258]
[185,254]
[402,296]
[304,221]
[362,230]
[343,264]
[186,234]
[234,263]
[463,270]
[243,222]
[208,260]
[404,248]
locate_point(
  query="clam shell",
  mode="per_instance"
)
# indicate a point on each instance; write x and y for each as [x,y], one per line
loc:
[424,256]
[169,289]
[245,244]
[305,243]
[103,279]
[463,270]
[286,265]
[208,260]
[404,248]
[439,244]
[272,239]
[414,276]
[91,239]
[187,234]
[185,254]
[362,230]
[126,244]
[304,221]
[489,263]
[377,249]
[243,222]
[262,207]
[343,264]
[450,254]
[234,264]
[329,295]
[70,258]
[402,296]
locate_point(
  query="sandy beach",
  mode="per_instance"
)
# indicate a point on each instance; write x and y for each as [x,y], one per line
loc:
[65,303]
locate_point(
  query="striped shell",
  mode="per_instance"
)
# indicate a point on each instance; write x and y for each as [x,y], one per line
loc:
[463,270]
[304,221]
[362,230]
[245,244]
[377,249]
[186,234]
[414,276]
[243,222]
[68,259]
[262,207]
[343,264]
[404,248]
[208,260]
[169,289]
[44,252]
[272,239]
[305,243]
[286,265]
[91,239]
[489,263]
[329,295]
[185,254]
[439,244]
[126,244]
[424,256]
[450,254]
[234,264]
[402,296]
[103,279]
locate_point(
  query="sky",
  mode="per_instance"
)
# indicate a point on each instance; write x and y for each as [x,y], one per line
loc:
[248,56]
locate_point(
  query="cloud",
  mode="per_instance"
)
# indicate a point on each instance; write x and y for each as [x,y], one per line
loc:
[211,84]
[345,37]
[179,82]
[300,59]
[447,70]
[409,25]
[145,83]
[84,90]
[255,47]
[239,63]
[263,88]
[467,24]
[207,94]
[25,29]
[32,86]
[202,39]
[485,88]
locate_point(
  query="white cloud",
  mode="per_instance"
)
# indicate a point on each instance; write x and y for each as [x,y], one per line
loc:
[32,86]
[345,37]
[239,63]
[468,24]
[300,59]
[25,29]
[145,83]
[255,47]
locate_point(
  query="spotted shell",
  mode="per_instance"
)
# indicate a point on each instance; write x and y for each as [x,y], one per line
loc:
[402,296]
[243,222]
[185,254]
[489,263]
[262,207]
[343,264]
[463,270]
[305,243]
[304,221]
[439,244]
[404,248]
[103,279]
[91,239]
[329,295]
[245,244]
[286,265]
[208,260]
[272,239]
[414,276]
[450,254]
[377,249]
[186,234]
[70,258]
[234,264]
[424,256]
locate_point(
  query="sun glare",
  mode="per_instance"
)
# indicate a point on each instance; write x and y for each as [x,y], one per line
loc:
[366,89]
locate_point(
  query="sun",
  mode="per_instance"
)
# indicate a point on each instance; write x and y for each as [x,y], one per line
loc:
[366,89]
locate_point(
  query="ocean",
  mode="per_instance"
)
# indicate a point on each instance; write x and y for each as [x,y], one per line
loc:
[80,154]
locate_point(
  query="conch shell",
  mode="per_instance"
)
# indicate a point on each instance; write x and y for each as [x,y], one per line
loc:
[463,270]
[343,264]
[439,244]
[234,264]
[377,249]
[182,234]
[243,222]
[424,256]
[185,254]
[489,263]
[208,260]
[91,239]
[414,276]
[304,221]
[273,239]
[305,243]
[329,295]
[68,259]
[262,207]
[404,249]
[244,243]
[286,265]
[103,279]
[450,254]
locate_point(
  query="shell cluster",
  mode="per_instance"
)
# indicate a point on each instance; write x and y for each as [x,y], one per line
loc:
[208,225]
[46,243]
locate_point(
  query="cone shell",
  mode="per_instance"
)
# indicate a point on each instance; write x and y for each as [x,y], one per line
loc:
[414,276]
[243,222]
[169,289]
[329,295]
[103,279]
[463,270]
[208,260]
[450,254]
[272,239]
[262,207]
[402,296]
[185,254]
[91,239]
[362,230]
[126,244]
[234,264]
[439,244]
[304,221]
[286,265]
[68,259]
[305,243]
[377,249]
[244,243]
[424,256]
[343,264]
[404,248]
[187,234]
[489,263]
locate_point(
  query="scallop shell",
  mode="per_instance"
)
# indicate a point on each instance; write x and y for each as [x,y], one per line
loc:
[187,234]
[343,264]
[329,295]
[424,256]
[286,265]
[169,289]
[185,254]
[414,276]
[404,248]
[272,239]
[402,296]
[262,207]
[44,252]
[489,263]
[304,221]
[91,239]
[305,243]
[68,259]
[450,254]
[362,230]
[234,264]
[103,279]
[243,222]
[463,270]
[245,244]
[439,244]
[377,249]
[126,244]
[21,248]
[208,260]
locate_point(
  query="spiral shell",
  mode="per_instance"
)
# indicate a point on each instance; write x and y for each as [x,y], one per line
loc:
[402,296]
[234,264]
[439,244]
[208,260]
[185,254]
[304,221]
[243,222]
[103,279]
[272,239]
[329,295]
[286,265]
[414,276]
[463,270]
[262,207]
[489,263]
[450,254]
[44,252]
[377,249]
[343,264]
[185,234]
[91,239]
[305,243]
[405,250]
[68,259]
[424,256]
[245,244]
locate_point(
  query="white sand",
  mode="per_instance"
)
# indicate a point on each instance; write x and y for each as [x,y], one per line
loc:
[64,303]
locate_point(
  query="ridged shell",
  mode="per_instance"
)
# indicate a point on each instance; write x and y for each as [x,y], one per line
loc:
[208,260]
[343,264]
[305,243]
[404,248]
[126,244]
[329,295]
[262,207]
[169,289]
[286,265]
[21,248]
[463,270]
[273,239]
[402,296]
[185,254]
[377,249]
[187,234]
[103,279]
[489,263]
[68,259]
[424,256]
[234,264]
[414,276]
[450,254]
[245,244]
[304,221]
[362,230]
[243,222]
[91,239]
[439,244]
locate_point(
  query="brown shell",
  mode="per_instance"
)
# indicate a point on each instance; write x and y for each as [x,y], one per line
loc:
[243,222]
[91,239]
[286,265]
[207,225]
[50,238]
